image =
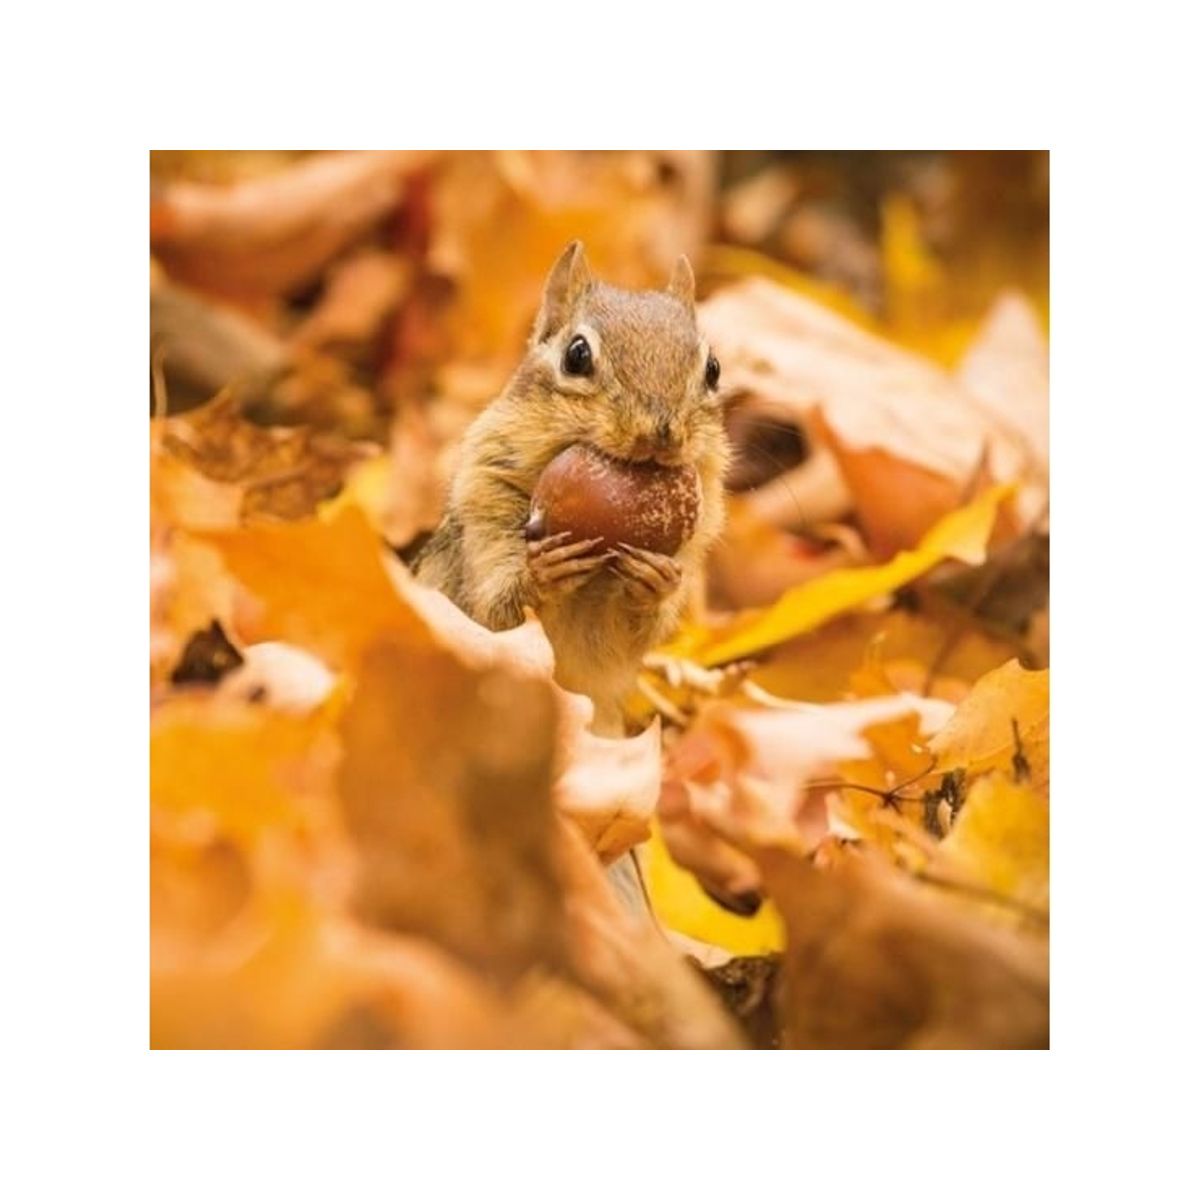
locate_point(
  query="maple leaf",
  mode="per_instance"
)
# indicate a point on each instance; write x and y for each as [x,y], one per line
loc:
[321,585]
[457,842]
[681,852]
[327,585]
[1000,841]
[755,561]
[249,769]
[739,779]
[1004,720]
[308,978]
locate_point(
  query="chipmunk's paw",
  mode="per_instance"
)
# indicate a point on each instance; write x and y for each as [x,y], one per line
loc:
[559,566]
[649,578]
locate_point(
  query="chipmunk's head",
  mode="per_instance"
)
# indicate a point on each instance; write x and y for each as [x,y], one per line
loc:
[627,372]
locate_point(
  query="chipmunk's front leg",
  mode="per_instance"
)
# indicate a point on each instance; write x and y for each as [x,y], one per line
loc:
[649,578]
[558,566]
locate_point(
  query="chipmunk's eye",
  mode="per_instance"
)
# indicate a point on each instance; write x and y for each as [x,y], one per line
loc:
[712,373]
[578,357]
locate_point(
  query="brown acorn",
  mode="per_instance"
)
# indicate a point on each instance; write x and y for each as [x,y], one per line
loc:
[592,495]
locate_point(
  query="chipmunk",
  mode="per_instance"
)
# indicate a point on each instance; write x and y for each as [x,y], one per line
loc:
[630,374]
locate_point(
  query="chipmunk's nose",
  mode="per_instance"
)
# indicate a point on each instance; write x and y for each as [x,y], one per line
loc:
[659,442]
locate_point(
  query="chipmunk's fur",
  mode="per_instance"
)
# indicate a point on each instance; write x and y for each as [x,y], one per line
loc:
[647,397]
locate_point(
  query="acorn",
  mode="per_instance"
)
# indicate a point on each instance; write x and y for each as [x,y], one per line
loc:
[590,494]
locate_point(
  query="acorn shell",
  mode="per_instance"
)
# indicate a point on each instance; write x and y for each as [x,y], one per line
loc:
[590,494]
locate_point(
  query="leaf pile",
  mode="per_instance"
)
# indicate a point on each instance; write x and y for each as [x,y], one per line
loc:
[374,823]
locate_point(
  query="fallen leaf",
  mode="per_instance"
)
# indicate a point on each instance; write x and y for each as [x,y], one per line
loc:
[280,676]
[274,233]
[755,561]
[206,345]
[739,778]
[906,429]
[449,805]
[182,496]
[674,864]
[1000,841]
[896,501]
[458,842]
[280,472]
[875,959]
[314,981]
[321,584]
[962,535]
[820,666]
[629,965]
[609,786]
[1006,370]
[249,770]
[360,294]
[1007,711]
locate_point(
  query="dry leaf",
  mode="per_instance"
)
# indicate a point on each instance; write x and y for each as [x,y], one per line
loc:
[271,234]
[449,804]
[673,868]
[314,982]
[251,771]
[908,438]
[321,585]
[629,964]
[1007,713]
[962,535]
[1001,842]
[876,960]
[280,676]
[1006,369]
[739,779]
[755,561]
[361,293]
[609,786]
[820,666]
[281,472]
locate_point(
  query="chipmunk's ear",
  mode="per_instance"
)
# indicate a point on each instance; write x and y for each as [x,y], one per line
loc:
[683,283]
[568,280]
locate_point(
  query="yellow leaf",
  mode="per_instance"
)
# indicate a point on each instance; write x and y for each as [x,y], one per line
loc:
[979,737]
[365,488]
[322,584]
[1000,841]
[681,904]
[821,667]
[245,768]
[962,534]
